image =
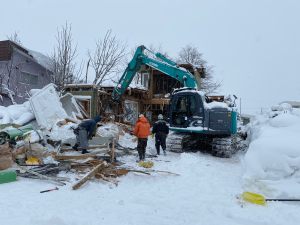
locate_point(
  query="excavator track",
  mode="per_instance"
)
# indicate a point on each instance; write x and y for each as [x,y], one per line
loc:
[177,142]
[226,147]
[220,147]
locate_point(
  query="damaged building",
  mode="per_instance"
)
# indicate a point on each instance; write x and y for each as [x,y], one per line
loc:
[21,70]
[148,94]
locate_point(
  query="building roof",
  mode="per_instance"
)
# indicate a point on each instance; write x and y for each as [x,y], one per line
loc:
[6,49]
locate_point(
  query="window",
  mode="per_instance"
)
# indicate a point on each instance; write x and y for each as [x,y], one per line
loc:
[145,79]
[28,78]
[186,104]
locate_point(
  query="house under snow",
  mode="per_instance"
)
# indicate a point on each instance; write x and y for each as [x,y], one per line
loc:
[20,71]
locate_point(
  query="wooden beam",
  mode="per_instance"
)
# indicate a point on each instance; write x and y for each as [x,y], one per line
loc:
[89,175]
[75,157]
[158,101]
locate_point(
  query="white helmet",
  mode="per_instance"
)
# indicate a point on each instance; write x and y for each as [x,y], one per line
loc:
[160,117]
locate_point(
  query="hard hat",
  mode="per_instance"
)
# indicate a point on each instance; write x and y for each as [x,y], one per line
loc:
[160,117]
[141,115]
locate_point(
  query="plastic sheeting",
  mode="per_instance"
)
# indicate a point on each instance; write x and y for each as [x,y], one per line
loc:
[47,107]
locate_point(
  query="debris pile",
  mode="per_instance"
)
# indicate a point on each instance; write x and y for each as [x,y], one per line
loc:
[36,140]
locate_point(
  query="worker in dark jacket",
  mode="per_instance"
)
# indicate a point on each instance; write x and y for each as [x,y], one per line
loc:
[85,131]
[161,131]
[142,131]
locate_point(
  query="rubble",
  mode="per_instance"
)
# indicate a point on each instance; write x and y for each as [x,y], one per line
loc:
[6,160]
[42,148]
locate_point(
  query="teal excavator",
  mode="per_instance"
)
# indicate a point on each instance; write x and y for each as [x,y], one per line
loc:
[197,123]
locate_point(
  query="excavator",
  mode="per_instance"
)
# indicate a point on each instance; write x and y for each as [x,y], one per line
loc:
[197,123]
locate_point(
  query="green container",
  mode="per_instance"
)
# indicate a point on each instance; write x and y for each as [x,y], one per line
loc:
[12,133]
[7,176]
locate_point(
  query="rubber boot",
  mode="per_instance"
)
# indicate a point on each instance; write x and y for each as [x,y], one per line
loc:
[75,147]
[84,151]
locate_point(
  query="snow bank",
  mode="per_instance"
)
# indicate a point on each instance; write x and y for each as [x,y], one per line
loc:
[274,153]
[17,114]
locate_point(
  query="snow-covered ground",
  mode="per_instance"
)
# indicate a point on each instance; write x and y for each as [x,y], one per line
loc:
[205,192]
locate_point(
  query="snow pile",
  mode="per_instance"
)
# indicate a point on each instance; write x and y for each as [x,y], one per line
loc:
[108,130]
[128,141]
[213,105]
[273,157]
[63,133]
[17,114]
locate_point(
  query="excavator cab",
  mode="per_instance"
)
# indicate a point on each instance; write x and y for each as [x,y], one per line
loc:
[186,110]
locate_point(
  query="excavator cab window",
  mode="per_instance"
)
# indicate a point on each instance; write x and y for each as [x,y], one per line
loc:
[185,106]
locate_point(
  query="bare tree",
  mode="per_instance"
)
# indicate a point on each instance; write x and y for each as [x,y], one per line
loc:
[106,58]
[64,55]
[191,55]
[15,38]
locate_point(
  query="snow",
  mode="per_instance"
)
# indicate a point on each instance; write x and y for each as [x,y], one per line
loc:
[273,157]
[205,192]
[108,130]
[43,60]
[17,114]
[64,133]
[127,141]
[213,105]
[47,107]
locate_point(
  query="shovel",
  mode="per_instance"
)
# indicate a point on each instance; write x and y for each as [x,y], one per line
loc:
[261,200]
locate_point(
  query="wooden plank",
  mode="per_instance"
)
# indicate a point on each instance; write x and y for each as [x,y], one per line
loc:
[113,152]
[41,176]
[89,147]
[89,175]
[75,157]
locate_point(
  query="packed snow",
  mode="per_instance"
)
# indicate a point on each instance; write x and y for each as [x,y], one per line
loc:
[17,114]
[205,191]
[272,161]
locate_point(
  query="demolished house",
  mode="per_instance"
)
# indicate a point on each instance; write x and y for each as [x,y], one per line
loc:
[36,139]
[148,94]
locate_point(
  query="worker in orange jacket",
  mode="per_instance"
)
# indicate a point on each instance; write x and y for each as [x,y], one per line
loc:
[142,131]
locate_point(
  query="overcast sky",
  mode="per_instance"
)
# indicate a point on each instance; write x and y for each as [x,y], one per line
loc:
[253,45]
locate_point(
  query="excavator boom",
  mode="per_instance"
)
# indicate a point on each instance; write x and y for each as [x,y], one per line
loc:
[160,62]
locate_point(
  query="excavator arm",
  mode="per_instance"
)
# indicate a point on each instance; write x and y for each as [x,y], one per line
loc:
[162,64]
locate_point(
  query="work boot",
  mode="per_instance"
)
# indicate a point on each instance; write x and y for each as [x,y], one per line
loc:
[75,147]
[84,151]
